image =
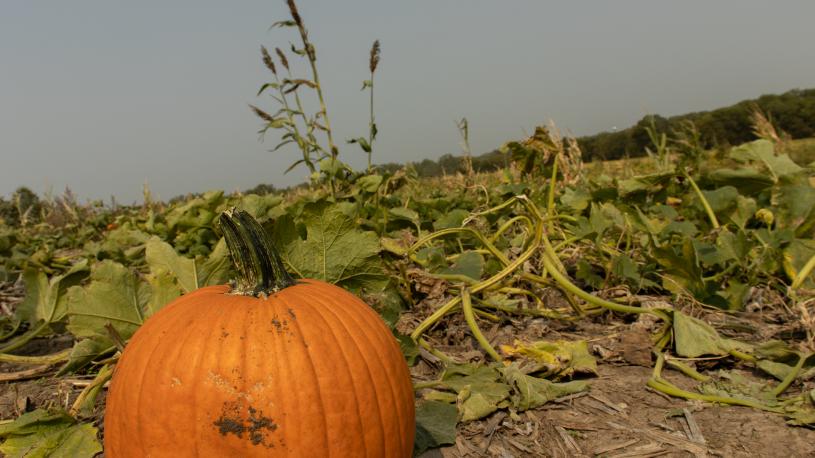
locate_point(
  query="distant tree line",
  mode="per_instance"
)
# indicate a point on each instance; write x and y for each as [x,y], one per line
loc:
[792,112]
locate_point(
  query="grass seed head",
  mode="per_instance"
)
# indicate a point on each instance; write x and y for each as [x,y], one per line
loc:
[283,59]
[374,56]
[267,60]
[294,13]
[261,114]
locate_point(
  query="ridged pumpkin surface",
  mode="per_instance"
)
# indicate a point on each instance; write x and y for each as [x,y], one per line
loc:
[310,371]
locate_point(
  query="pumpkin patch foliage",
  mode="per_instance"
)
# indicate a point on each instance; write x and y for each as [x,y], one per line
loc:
[475,283]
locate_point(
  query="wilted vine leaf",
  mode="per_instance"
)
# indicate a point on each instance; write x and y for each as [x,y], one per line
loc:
[529,392]
[334,249]
[561,358]
[480,391]
[693,338]
[435,425]
[44,433]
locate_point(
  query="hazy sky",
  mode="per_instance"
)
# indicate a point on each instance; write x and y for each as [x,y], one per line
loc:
[103,96]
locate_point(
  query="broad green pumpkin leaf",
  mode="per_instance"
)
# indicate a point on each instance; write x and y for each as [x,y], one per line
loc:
[762,152]
[732,384]
[453,218]
[85,351]
[198,212]
[435,425]
[470,264]
[586,273]
[163,290]
[734,246]
[792,200]
[190,274]
[577,199]
[122,243]
[45,299]
[48,434]
[334,249]
[260,207]
[457,376]
[480,391]
[161,257]
[217,268]
[481,399]
[800,410]
[708,253]
[735,294]
[693,338]
[560,358]
[796,255]
[682,271]
[370,183]
[650,183]
[402,213]
[745,209]
[115,295]
[530,392]
[721,199]
[747,180]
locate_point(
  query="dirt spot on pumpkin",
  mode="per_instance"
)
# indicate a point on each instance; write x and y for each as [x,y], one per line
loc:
[248,423]
[281,325]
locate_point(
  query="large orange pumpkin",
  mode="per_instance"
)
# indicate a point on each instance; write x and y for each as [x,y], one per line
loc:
[271,367]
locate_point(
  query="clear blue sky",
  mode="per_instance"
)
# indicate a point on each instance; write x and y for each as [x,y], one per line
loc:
[103,96]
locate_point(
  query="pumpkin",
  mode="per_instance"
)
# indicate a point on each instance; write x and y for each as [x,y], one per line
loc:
[268,367]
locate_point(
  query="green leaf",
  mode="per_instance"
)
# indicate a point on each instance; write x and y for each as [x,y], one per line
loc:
[163,290]
[761,151]
[796,255]
[747,180]
[334,249]
[745,209]
[622,266]
[260,207]
[403,213]
[576,199]
[560,358]
[45,299]
[369,183]
[161,257]
[530,392]
[48,434]
[693,338]
[650,183]
[163,260]
[217,268]
[470,264]
[115,295]
[435,425]
[721,199]
[792,199]
[453,218]
[479,390]
[363,144]
[85,351]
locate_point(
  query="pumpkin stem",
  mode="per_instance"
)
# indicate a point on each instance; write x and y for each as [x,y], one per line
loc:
[260,268]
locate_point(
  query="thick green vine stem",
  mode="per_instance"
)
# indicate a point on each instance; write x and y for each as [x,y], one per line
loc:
[260,268]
